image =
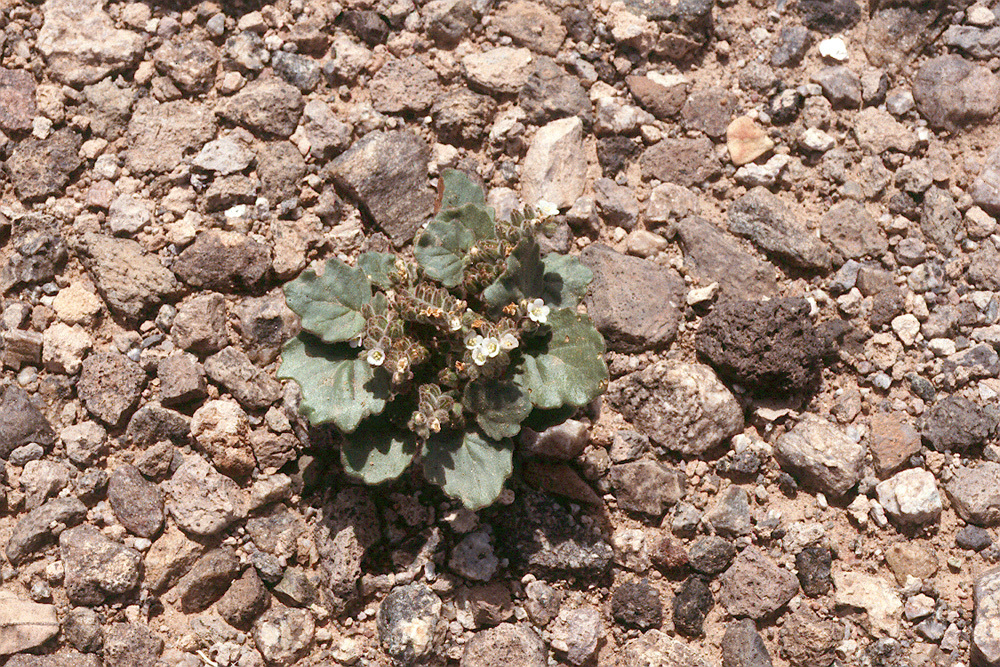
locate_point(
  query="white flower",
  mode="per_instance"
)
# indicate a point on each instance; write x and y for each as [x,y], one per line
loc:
[356,341]
[491,346]
[508,341]
[472,341]
[538,311]
[546,209]
[454,323]
[479,356]
[434,425]
[376,356]
[402,364]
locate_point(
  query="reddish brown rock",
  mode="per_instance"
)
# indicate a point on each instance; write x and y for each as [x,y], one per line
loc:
[893,442]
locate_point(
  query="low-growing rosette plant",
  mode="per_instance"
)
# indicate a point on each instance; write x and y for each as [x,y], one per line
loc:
[444,362]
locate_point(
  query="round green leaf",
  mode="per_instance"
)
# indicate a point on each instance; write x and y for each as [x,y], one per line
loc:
[468,466]
[330,303]
[566,280]
[377,266]
[569,368]
[376,452]
[458,189]
[336,387]
[441,250]
[499,406]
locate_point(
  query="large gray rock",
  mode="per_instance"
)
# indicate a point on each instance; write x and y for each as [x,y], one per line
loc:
[551,93]
[975,493]
[683,407]
[349,526]
[951,92]
[404,86]
[635,303]
[81,44]
[755,586]
[132,281]
[646,486]
[252,387]
[202,501]
[683,161]
[41,526]
[714,256]
[96,566]
[267,105]
[132,645]
[555,166]
[385,174]
[852,231]
[161,135]
[770,224]
[742,646]
[821,455]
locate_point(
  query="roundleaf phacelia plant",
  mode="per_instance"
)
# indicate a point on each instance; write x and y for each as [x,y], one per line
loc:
[445,361]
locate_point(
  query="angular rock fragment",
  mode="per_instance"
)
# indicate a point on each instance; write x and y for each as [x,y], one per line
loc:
[680,406]
[634,303]
[385,174]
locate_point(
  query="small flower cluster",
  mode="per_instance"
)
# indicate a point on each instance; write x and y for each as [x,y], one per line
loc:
[485,348]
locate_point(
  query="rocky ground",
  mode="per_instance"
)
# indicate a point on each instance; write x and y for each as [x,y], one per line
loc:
[789,212]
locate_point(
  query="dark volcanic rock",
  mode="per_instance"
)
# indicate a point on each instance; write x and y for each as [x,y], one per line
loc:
[637,604]
[542,536]
[551,93]
[207,579]
[682,161]
[813,566]
[634,303]
[246,599]
[955,423]
[711,555]
[21,422]
[691,604]
[829,16]
[768,347]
